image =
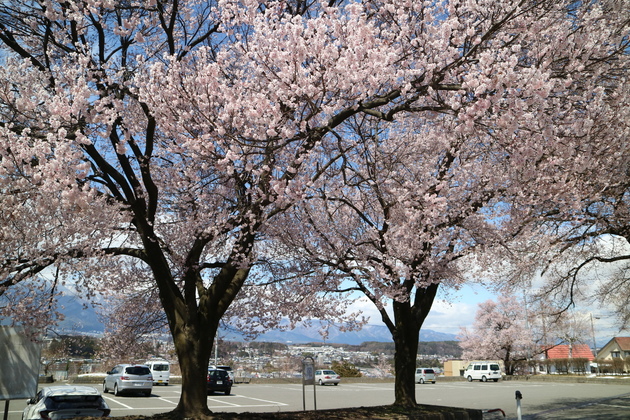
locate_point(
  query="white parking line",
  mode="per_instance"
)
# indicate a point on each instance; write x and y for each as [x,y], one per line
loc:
[267,401]
[357,388]
[117,402]
[219,407]
[224,402]
[168,401]
[285,387]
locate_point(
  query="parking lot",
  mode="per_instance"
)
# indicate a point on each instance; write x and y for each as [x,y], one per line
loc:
[540,400]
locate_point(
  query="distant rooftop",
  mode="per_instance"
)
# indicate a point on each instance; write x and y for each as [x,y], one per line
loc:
[576,351]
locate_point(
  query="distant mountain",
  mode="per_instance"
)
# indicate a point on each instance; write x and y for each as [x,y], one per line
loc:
[80,319]
[301,335]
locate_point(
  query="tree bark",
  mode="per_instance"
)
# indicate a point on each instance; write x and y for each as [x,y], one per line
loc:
[406,348]
[193,320]
[408,320]
[194,354]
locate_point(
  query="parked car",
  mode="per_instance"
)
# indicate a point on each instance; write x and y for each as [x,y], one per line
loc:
[324,377]
[64,402]
[160,370]
[425,375]
[483,371]
[219,380]
[129,379]
[226,368]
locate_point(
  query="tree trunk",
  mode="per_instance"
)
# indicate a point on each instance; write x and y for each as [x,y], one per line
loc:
[194,321]
[508,363]
[193,353]
[406,347]
[193,402]
[406,334]
[193,328]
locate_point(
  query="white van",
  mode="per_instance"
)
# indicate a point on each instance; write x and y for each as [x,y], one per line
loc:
[483,371]
[161,371]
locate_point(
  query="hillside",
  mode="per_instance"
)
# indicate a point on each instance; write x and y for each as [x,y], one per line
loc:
[82,319]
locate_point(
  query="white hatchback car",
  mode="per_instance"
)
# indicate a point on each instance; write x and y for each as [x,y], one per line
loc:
[425,375]
[64,402]
[324,377]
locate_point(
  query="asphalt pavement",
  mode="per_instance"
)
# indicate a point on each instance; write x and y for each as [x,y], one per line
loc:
[540,400]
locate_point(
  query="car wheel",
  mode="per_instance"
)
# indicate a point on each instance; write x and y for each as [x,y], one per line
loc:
[433,382]
[484,379]
[495,380]
[228,391]
[105,390]
[116,391]
[469,378]
[336,383]
[321,383]
[147,394]
[421,380]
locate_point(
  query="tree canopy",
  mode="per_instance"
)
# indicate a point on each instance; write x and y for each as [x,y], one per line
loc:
[197,150]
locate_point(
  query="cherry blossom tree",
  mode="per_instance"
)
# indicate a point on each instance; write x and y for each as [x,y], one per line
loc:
[411,200]
[175,135]
[501,331]
[571,241]
[385,224]
[516,331]
[113,171]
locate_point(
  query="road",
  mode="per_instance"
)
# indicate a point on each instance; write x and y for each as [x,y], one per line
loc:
[541,400]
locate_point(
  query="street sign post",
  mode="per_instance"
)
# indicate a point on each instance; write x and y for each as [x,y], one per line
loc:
[308,378]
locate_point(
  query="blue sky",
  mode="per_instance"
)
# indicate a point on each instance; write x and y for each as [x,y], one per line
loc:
[457,309]
[448,313]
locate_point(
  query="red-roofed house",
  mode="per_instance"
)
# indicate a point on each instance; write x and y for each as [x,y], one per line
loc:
[567,351]
[615,355]
[566,358]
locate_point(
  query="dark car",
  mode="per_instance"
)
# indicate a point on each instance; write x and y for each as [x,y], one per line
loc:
[219,380]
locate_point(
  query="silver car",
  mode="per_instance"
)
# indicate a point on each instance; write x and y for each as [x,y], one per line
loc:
[129,379]
[326,376]
[64,402]
[425,375]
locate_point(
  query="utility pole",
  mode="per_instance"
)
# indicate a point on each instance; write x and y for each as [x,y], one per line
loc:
[216,350]
[594,342]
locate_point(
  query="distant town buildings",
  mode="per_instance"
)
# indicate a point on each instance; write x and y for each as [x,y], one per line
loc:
[256,359]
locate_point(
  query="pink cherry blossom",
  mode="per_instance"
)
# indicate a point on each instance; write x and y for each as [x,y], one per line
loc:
[170,148]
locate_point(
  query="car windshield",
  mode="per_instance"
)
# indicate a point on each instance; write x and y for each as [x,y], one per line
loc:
[160,368]
[217,374]
[494,367]
[428,371]
[74,401]
[329,372]
[137,370]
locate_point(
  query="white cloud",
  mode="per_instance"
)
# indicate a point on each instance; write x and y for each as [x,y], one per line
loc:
[449,317]
[446,316]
